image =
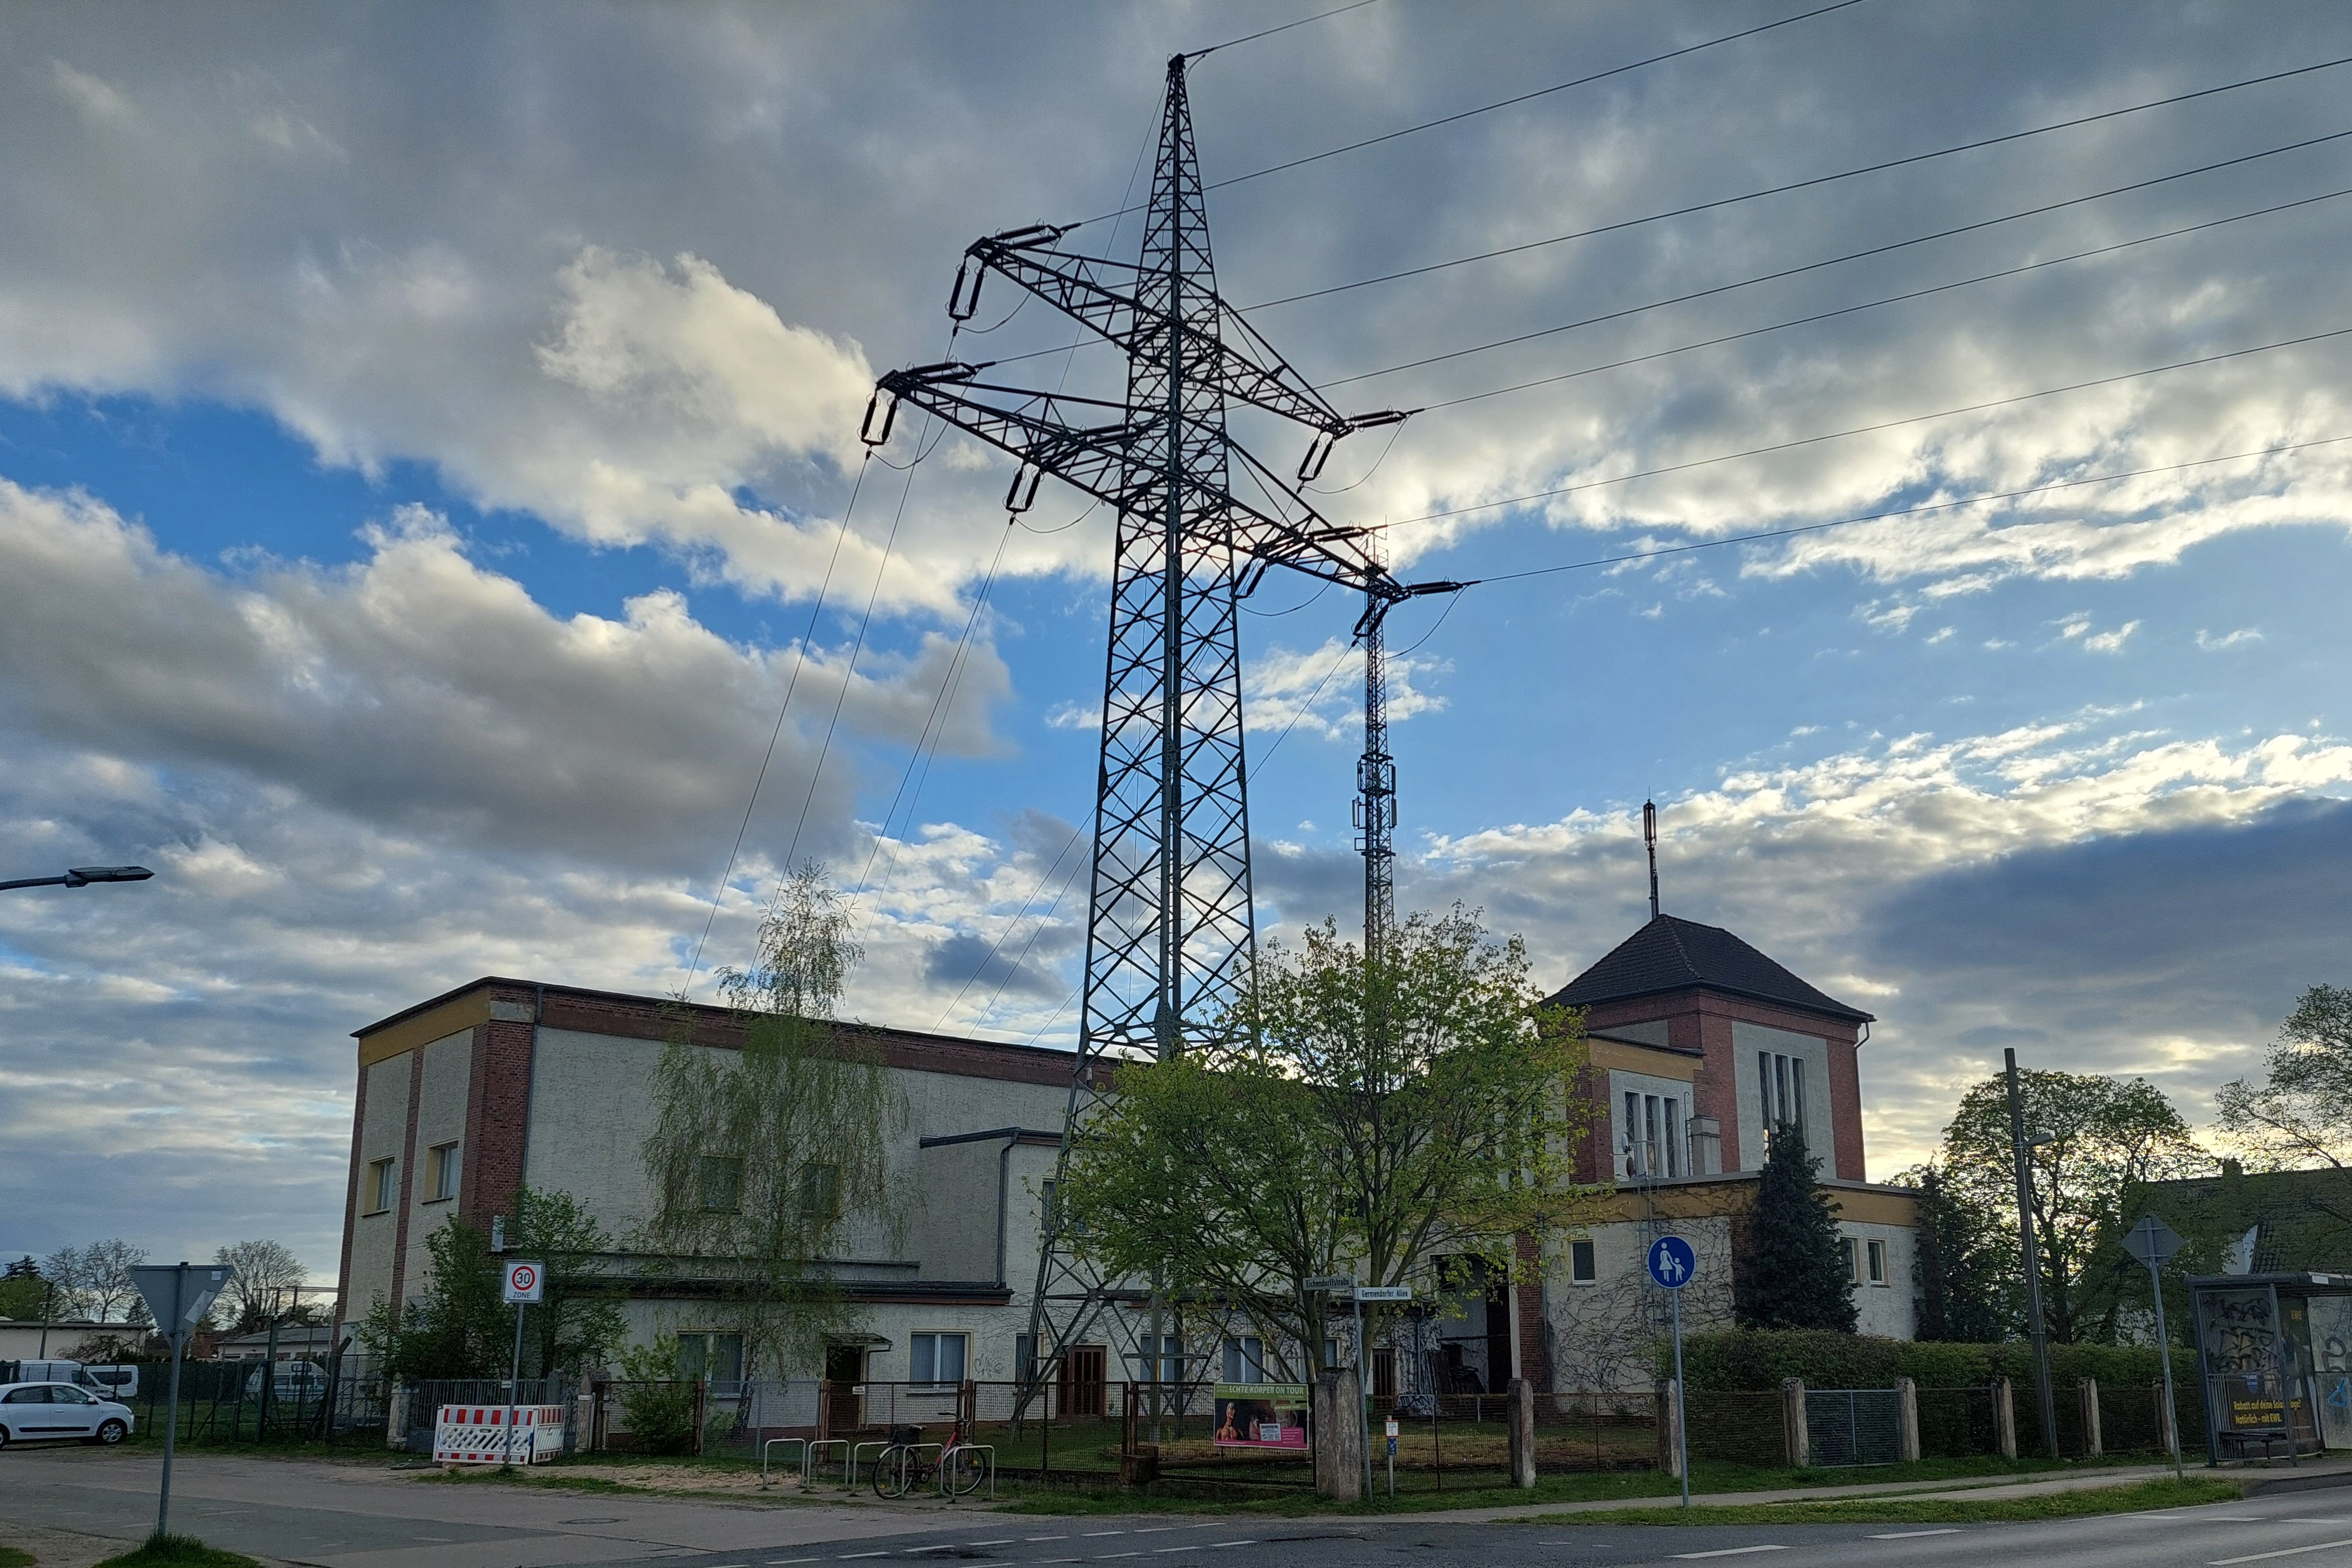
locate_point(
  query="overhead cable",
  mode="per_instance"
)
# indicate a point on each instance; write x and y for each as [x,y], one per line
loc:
[1850,255]
[1503,103]
[1278,27]
[1903,511]
[1798,185]
[1863,429]
[769,756]
[1885,299]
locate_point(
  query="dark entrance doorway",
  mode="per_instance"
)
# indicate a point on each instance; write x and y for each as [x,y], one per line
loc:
[845,1370]
[1083,1380]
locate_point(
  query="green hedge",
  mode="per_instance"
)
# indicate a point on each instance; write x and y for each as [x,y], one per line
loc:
[1747,1359]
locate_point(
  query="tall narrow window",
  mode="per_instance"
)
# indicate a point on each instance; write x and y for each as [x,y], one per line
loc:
[1631,1133]
[1879,1263]
[1582,1268]
[1853,1261]
[719,1178]
[1650,1133]
[1764,1089]
[820,1193]
[379,1185]
[1797,1083]
[441,1173]
[1674,1137]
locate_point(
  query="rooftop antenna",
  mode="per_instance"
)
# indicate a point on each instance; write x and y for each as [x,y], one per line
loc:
[1650,841]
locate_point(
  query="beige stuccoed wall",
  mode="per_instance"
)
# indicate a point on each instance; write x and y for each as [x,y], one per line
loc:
[440,1119]
[381,1127]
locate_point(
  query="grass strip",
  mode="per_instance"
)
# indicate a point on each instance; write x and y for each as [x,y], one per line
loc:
[177,1552]
[2082,1503]
[15,1557]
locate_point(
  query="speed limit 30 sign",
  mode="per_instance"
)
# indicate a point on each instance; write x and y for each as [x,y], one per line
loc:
[526,1283]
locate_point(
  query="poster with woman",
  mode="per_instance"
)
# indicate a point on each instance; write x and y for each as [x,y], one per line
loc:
[1260,1415]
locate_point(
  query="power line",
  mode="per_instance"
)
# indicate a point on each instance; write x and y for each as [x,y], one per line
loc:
[1858,256]
[1797,184]
[1281,27]
[784,708]
[1506,103]
[1015,924]
[1902,511]
[1864,429]
[1885,299]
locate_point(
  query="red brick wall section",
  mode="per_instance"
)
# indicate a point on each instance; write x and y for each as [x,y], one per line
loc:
[1845,1090]
[1534,1354]
[406,1179]
[498,1112]
[350,1201]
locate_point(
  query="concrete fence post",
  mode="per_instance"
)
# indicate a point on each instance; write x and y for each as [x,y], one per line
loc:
[395,1426]
[1795,1434]
[2089,1394]
[1339,1436]
[1673,1449]
[1523,1434]
[2004,1418]
[1907,1420]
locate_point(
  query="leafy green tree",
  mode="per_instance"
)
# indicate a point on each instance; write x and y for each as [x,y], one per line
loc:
[1964,1267]
[1790,1269]
[2109,1138]
[755,1152]
[462,1327]
[24,1293]
[1401,1119]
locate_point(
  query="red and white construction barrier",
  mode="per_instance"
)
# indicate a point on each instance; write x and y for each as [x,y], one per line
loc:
[477,1434]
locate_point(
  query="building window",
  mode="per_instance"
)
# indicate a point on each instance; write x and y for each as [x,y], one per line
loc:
[716,1357]
[1583,1268]
[820,1192]
[1384,1372]
[1782,1083]
[937,1358]
[1245,1361]
[1171,1355]
[1024,1357]
[1853,1261]
[1877,1250]
[1653,1135]
[720,1180]
[379,1185]
[441,1173]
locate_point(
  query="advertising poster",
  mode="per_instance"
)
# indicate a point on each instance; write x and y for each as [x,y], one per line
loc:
[1260,1415]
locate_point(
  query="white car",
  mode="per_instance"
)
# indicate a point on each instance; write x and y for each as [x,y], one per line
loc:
[30,1412]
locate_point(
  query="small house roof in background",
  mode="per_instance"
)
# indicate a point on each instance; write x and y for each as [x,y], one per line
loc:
[1671,954]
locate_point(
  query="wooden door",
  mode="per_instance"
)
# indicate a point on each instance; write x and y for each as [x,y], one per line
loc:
[845,1371]
[1083,1380]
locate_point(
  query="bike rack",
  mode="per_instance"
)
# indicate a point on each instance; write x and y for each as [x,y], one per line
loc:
[810,1461]
[987,1448]
[860,1449]
[771,1443]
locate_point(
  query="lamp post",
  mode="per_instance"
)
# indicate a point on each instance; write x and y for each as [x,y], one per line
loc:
[2021,1150]
[82,877]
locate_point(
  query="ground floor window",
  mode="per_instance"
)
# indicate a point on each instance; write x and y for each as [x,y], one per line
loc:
[1245,1361]
[1583,1267]
[937,1358]
[1878,1263]
[1384,1372]
[716,1357]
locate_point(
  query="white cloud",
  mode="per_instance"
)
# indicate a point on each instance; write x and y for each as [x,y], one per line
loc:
[2110,642]
[2210,644]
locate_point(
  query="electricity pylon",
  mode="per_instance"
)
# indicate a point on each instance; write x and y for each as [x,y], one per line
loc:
[1170,930]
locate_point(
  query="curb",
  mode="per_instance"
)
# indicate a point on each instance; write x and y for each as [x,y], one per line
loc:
[2289,1481]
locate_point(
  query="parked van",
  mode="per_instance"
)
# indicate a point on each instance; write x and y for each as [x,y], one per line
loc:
[115,1382]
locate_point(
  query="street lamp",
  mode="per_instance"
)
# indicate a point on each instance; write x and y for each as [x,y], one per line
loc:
[82,877]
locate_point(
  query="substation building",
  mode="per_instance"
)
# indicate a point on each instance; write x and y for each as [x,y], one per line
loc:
[1698,1042]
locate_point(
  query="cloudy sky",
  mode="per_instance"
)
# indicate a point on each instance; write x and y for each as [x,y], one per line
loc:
[426,437]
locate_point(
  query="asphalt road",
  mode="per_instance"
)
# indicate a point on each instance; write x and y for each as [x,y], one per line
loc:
[345,1516]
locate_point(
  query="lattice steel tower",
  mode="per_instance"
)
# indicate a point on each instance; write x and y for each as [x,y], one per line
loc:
[1170,934]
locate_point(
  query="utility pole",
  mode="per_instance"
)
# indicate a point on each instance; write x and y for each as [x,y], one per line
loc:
[2021,1154]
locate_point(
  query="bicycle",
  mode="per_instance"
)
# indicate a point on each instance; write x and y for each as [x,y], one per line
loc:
[900,1467]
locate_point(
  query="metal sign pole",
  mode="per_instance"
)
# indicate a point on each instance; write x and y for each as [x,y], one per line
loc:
[1682,1423]
[514,1385]
[172,1422]
[1671,1265]
[2164,1352]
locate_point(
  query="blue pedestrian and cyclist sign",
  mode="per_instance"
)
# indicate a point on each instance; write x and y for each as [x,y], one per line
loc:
[1673,1265]
[1672,1262]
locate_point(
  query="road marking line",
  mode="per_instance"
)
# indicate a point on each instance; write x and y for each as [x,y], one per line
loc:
[1044,1538]
[2315,1522]
[2285,1551]
[1166,1550]
[942,1546]
[1108,1555]
[1916,1534]
[1217,1546]
[1092,1533]
[781,1562]
[1007,1541]
[1160,1529]
[1726,1551]
[849,1556]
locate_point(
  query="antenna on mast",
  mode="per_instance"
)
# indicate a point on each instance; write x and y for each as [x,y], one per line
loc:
[1650,841]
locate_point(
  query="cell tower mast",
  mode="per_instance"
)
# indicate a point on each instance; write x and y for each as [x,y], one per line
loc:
[1170,930]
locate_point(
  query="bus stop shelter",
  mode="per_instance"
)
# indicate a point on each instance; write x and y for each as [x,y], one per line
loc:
[2275,1351]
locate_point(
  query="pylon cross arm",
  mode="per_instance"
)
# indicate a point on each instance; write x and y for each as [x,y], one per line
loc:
[1248,371]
